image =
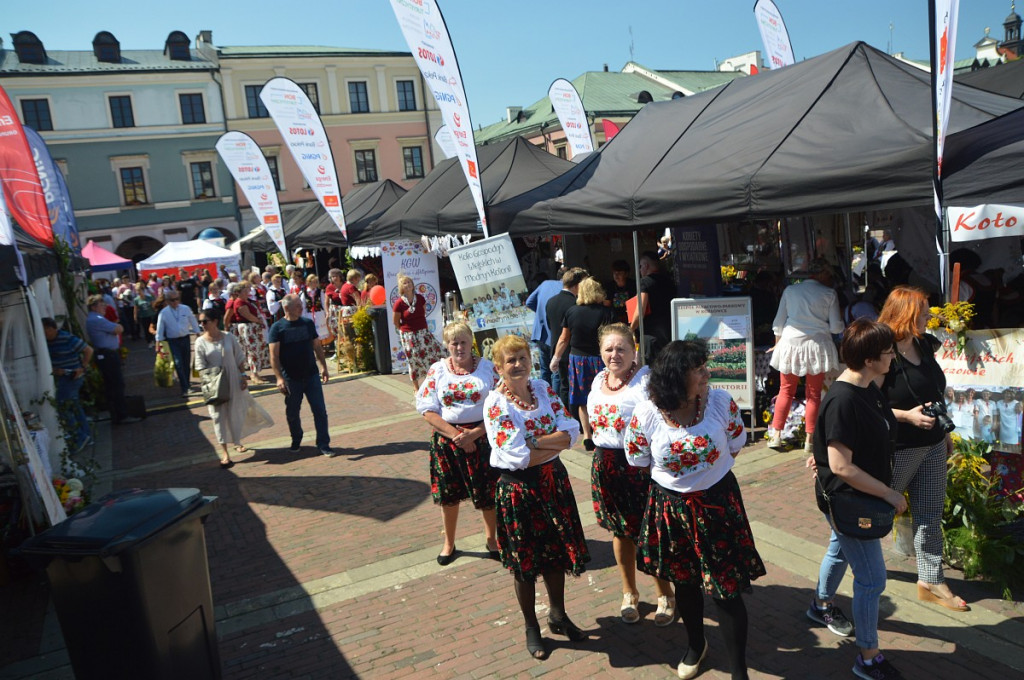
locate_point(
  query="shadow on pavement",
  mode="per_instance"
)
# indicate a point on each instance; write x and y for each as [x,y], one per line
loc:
[372,497]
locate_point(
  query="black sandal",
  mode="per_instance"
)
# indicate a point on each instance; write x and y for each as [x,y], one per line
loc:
[564,626]
[535,643]
[445,560]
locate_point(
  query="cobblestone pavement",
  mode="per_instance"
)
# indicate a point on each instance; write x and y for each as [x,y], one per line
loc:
[324,567]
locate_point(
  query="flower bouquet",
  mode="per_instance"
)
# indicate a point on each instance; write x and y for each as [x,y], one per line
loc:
[71,493]
[955,318]
[728,274]
[163,371]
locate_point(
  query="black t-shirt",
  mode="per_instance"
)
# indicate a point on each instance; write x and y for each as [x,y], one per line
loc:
[188,289]
[298,361]
[860,419]
[928,383]
[619,296]
[555,310]
[660,291]
[583,322]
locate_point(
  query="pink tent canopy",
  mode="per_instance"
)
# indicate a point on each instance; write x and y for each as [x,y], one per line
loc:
[101,259]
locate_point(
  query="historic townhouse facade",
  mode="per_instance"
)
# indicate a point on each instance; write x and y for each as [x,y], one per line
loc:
[134,133]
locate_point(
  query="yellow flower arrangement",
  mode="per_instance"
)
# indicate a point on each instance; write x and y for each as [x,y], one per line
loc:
[728,273]
[954,318]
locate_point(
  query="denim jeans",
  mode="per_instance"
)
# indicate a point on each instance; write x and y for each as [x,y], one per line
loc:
[868,563]
[181,350]
[545,363]
[70,405]
[314,392]
[560,381]
[109,363]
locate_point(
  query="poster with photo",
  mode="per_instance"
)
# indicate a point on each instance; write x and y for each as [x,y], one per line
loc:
[493,290]
[985,386]
[410,258]
[725,325]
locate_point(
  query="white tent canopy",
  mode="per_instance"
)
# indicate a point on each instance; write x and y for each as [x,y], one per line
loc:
[189,254]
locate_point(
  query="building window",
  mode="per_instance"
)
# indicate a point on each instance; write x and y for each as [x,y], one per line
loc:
[36,113]
[192,112]
[560,151]
[311,92]
[121,112]
[254,103]
[406,95]
[133,186]
[358,98]
[366,166]
[413,157]
[272,167]
[202,179]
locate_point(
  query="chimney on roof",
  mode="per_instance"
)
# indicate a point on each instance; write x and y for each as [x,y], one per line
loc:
[205,37]
[606,68]
[512,113]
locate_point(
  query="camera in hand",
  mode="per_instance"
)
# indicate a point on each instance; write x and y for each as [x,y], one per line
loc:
[937,410]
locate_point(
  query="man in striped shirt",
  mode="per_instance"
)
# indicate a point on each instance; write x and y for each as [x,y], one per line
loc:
[69,355]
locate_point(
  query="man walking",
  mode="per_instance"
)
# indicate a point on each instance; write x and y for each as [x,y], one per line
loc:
[105,336]
[176,323]
[69,356]
[656,292]
[295,351]
[555,312]
[538,302]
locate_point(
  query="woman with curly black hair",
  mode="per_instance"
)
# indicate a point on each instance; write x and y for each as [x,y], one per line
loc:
[695,531]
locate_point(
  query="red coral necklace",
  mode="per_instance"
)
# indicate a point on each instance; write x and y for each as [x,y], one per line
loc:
[532,404]
[458,371]
[697,415]
[623,383]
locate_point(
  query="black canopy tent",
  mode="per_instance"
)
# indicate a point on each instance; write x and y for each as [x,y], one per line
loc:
[849,130]
[983,164]
[309,226]
[1006,79]
[441,203]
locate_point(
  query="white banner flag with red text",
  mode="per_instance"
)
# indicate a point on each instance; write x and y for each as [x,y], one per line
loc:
[427,35]
[985,221]
[248,165]
[303,132]
[446,142]
[572,116]
[777,46]
[945,36]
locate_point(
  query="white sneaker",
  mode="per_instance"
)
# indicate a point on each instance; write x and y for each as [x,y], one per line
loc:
[774,439]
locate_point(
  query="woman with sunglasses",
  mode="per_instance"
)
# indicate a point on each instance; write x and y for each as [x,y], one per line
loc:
[240,415]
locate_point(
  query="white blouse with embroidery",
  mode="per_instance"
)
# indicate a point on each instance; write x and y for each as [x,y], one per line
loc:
[458,398]
[509,427]
[610,413]
[690,458]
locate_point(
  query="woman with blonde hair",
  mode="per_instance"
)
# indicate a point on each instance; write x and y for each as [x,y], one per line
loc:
[451,399]
[538,525]
[422,349]
[922,446]
[579,335]
[373,293]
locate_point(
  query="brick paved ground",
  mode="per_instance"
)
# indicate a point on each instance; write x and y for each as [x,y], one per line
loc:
[324,568]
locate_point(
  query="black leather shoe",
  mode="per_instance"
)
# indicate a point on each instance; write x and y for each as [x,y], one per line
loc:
[564,626]
[445,560]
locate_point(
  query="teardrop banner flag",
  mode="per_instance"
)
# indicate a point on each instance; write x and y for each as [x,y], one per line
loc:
[427,36]
[26,200]
[55,191]
[945,38]
[248,165]
[303,132]
[444,139]
[777,46]
[572,116]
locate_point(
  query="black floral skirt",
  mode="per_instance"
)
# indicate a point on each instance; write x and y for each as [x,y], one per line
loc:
[539,528]
[620,493]
[456,475]
[701,538]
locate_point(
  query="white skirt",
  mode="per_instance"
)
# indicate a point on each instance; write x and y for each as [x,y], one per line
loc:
[805,355]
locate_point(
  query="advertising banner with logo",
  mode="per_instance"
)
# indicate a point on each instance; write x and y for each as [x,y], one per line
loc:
[410,258]
[427,36]
[446,142]
[985,385]
[572,116]
[493,290]
[248,165]
[26,200]
[725,325]
[55,191]
[303,132]
[985,221]
[695,256]
[777,46]
[942,54]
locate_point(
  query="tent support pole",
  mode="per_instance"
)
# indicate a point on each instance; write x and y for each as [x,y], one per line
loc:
[849,248]
[639,312]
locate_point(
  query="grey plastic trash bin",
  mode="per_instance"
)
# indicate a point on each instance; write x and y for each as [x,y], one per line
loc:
[381,339]
[131,586]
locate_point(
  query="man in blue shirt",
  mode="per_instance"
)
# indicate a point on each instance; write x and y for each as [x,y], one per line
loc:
[555,312]
[176,323]
[105,335]
[295,351]
[538,302]
[69,356]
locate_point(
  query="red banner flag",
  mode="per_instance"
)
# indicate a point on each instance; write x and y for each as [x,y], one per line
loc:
[24,193]
[610,129]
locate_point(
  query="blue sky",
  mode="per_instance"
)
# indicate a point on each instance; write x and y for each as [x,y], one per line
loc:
[510,52]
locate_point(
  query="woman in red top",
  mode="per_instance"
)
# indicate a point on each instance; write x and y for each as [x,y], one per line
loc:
[410,318]
[350,290]
[244,321]
[373,292]
[333,292]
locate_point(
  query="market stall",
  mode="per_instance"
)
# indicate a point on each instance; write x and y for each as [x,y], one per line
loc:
[102,260]
[191,255]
